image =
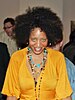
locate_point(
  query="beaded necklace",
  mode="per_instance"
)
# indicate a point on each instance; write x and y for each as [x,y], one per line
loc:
[32,63]
[33,66]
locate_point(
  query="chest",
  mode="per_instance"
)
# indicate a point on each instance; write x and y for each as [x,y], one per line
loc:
[48,81]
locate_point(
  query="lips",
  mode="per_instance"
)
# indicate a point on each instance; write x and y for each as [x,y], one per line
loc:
[38,49]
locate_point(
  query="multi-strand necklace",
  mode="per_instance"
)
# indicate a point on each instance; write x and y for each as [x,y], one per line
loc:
[34,66]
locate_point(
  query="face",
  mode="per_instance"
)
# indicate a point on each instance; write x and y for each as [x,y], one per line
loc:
[8,28]
[37,41]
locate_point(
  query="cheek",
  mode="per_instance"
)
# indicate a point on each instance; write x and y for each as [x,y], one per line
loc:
[44,44]
[31,43]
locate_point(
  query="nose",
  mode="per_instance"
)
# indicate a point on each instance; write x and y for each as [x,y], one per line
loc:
[38,43]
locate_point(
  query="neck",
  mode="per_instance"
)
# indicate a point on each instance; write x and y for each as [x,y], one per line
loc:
[33,58]
[37,55]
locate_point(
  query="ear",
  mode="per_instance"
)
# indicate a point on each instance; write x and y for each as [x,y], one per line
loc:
[61,43]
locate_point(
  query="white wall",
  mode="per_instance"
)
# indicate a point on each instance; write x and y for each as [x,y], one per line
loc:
[8,8]
[68,15]
[11,8]
[55,5]
[64,8]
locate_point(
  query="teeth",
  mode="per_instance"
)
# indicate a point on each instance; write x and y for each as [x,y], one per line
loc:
[37,49]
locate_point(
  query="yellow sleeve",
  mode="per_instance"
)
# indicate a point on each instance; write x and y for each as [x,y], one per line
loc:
[63,88]
[11,83]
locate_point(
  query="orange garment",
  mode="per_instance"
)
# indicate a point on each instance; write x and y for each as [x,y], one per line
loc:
[20,83]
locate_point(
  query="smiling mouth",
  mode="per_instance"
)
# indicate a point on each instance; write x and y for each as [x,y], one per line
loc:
[38,49]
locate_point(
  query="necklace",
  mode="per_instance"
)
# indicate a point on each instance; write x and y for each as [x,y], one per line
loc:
[33,66]
[31,60]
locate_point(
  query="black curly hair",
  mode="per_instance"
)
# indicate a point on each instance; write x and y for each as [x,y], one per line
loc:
[41,17]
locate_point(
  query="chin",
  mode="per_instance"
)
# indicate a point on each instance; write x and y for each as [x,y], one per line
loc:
[37,53]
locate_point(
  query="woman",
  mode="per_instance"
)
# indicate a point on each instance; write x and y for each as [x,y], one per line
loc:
[37,72]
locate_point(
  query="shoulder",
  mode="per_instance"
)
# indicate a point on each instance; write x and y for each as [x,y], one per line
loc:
[17,58]
[70,66]
[54,53]
[56,57]
[69,62]
[19,54]
[3,46]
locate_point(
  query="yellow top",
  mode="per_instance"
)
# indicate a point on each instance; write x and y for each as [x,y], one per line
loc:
[20,83]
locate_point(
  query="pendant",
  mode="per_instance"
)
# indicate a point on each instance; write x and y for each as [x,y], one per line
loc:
[38,65]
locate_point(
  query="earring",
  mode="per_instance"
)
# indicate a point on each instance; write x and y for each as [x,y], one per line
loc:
[29,49]
[50,44]
[27,43]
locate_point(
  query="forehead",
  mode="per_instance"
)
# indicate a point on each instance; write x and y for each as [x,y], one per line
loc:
[37,32]
[7,24]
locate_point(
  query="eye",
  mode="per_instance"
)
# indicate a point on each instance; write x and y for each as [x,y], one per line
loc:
[43,39]
[34,39]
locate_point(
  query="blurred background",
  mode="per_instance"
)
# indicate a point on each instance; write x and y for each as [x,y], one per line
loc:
[65,9]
